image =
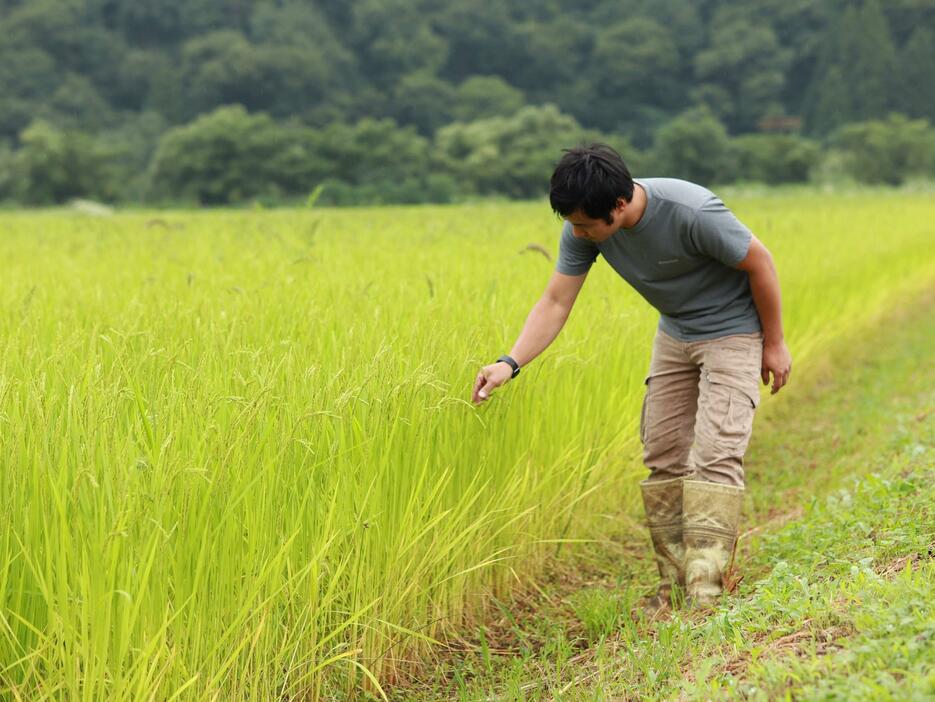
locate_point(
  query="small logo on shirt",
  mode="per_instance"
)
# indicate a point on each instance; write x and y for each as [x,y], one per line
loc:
[667,261]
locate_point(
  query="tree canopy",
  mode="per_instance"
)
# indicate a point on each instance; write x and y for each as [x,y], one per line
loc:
[135,74]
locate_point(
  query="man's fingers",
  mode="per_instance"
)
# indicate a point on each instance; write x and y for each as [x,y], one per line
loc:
[779,381]
[478,384]
[489,379]
[764,374]
[486,390]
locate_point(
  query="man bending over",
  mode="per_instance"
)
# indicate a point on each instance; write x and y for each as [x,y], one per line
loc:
[720,332]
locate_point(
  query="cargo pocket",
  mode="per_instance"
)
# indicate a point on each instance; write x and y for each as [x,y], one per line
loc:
[734,415]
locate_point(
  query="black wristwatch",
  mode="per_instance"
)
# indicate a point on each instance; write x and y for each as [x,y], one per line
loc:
[513,364]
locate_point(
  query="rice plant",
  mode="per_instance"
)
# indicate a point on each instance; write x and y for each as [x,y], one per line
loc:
[239,457]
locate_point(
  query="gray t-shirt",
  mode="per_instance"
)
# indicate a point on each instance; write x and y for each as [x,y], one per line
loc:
[680,257]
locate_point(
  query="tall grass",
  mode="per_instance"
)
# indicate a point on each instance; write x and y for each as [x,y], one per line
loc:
[239,457]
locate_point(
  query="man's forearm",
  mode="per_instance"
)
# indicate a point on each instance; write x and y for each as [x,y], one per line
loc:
[764,286]
[543,324]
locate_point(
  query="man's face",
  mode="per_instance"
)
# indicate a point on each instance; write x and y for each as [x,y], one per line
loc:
[597,230]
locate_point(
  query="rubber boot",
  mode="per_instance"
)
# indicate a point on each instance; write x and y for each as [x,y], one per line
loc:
[662,500]
[711,514]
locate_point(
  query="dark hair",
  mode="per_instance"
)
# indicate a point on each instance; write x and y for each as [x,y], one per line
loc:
[591,179]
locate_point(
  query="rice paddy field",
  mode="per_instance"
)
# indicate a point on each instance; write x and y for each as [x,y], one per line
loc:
[240,460]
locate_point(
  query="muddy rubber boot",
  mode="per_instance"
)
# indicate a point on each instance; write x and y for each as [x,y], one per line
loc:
[662,500]
[711,514]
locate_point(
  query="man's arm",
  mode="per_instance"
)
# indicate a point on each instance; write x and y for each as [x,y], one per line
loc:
[764,285]
[543,324]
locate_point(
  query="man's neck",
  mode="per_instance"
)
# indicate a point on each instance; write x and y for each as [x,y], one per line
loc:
[635,209]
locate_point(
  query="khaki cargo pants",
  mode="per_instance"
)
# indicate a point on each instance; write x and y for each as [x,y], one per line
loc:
[699,404]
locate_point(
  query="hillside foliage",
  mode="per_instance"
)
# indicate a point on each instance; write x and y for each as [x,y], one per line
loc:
[216,101]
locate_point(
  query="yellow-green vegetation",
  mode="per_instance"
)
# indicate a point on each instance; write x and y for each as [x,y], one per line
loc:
[240,460]
[837,553]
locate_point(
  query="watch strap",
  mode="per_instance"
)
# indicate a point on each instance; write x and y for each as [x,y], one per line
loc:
[513,364]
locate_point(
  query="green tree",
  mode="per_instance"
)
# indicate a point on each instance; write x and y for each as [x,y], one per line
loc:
[625,67]
[293,79]
[77,105]
[230,156]
[295,23]
[694,146]
[162,22]
[222,157]
[549,63]
[747,64]
[486,96]
[52,25]
[128,150]
[887,151]
[635,63]
[217,69]
[7,172]
[27,76]
[855,71]
[224,68]
[134,78]
[773,158]
[833,98]
[64,30]
[198,16]
[875,65]
[833,101]
[801,27]
[424,101]
[482,39]
[915,80]
[373,151]
[394,38]
[511,156]
[150,22]
[52,166]
[377,161]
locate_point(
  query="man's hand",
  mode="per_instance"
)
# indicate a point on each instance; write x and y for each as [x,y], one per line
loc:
[490,377]
[778,361]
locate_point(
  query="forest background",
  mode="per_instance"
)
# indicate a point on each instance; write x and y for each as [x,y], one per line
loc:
[214,102]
